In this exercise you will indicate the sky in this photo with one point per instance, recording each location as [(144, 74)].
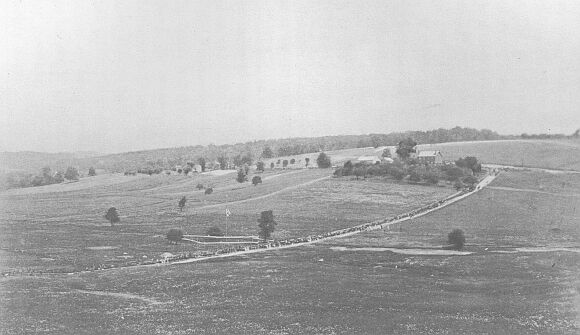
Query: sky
[(114, 76)]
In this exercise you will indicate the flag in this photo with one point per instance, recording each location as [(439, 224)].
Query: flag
[(228, 213)]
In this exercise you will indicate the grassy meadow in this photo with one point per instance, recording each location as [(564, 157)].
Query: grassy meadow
[(518, 273)]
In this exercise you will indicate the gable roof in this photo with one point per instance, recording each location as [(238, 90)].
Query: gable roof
[(429, 153)]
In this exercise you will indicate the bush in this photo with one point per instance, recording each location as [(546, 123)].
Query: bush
[(470, 180), (92, 172), (174, 235), (292, 161), (339, 172), (256, 180), (414, 177), (458, 185), (200, 186), (397, 173), (260, 166), (432, 178), (214, 231), (242, 176), (272, 165), (209, 190), (307, 161), (285, 163), (347, 168), (456, 238)]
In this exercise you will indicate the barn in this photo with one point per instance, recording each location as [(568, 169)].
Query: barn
[(430, 157)]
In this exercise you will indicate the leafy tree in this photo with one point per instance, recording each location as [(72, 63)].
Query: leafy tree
[(387, 153), (256, 180), (456, 239), (454, 173), (323, 161), (347, 168), (267, 152), (71, 173), (242, 176), (209, 190), (307, 161), (266, 224), (174, 235), (199, 186), (58, 177), (46, 178), (37, 181), (214, 231), (397, 173), (182, 203), (201, 161), (285, 163), (187, 170), (260, 166), (292, 161), (406, 147), (469, 162), (180, 170), (339, 172), (223, 161), (92, 172), (272, 165), (458, 185), (360, 171), (112, 216), (246, 168), (470, 180)]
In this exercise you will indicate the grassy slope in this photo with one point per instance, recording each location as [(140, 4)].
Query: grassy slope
[(564, 154)]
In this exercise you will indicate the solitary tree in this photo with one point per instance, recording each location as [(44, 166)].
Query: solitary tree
[(241, 177), (112, 216), (187, 170), (347, 168), (260, 166), (272, 165), (174, 235), (58, 177), (92, 171), (285, 163), (307, 161), (292, 161), (182, 203), (266, 224), (256, 180), (223, 161), (209, 190), (200, 186), (456, 239), (323, 161), (71, 173)]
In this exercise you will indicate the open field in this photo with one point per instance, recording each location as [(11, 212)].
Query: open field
[(61, 227), (553, 154), (518, 273), (357, 288)]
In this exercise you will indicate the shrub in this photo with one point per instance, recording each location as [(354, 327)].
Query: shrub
[(272, 165), (470, 180), (260, 166), (414, 177), (71, 173), (292, 161), (347, 168), (432, 178), (92, 171), (339, 172), (285, 163), (200, 186), (242, 176), (174, 235), (209, 190), (214, 231), (456, 238), (182, 203), (256, 180), (458, 185), (307, 160), (397, 173)]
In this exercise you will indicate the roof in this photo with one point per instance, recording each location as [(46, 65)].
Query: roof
[(368, 158), (428, 153)]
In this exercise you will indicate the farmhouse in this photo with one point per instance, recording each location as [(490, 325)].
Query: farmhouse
[(430, 157), (369, 159)]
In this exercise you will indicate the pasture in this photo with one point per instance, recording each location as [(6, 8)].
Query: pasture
[(513, 280), (549, 154), (518, 273)]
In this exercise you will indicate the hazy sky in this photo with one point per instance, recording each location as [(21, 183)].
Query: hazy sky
[(113, 76)]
